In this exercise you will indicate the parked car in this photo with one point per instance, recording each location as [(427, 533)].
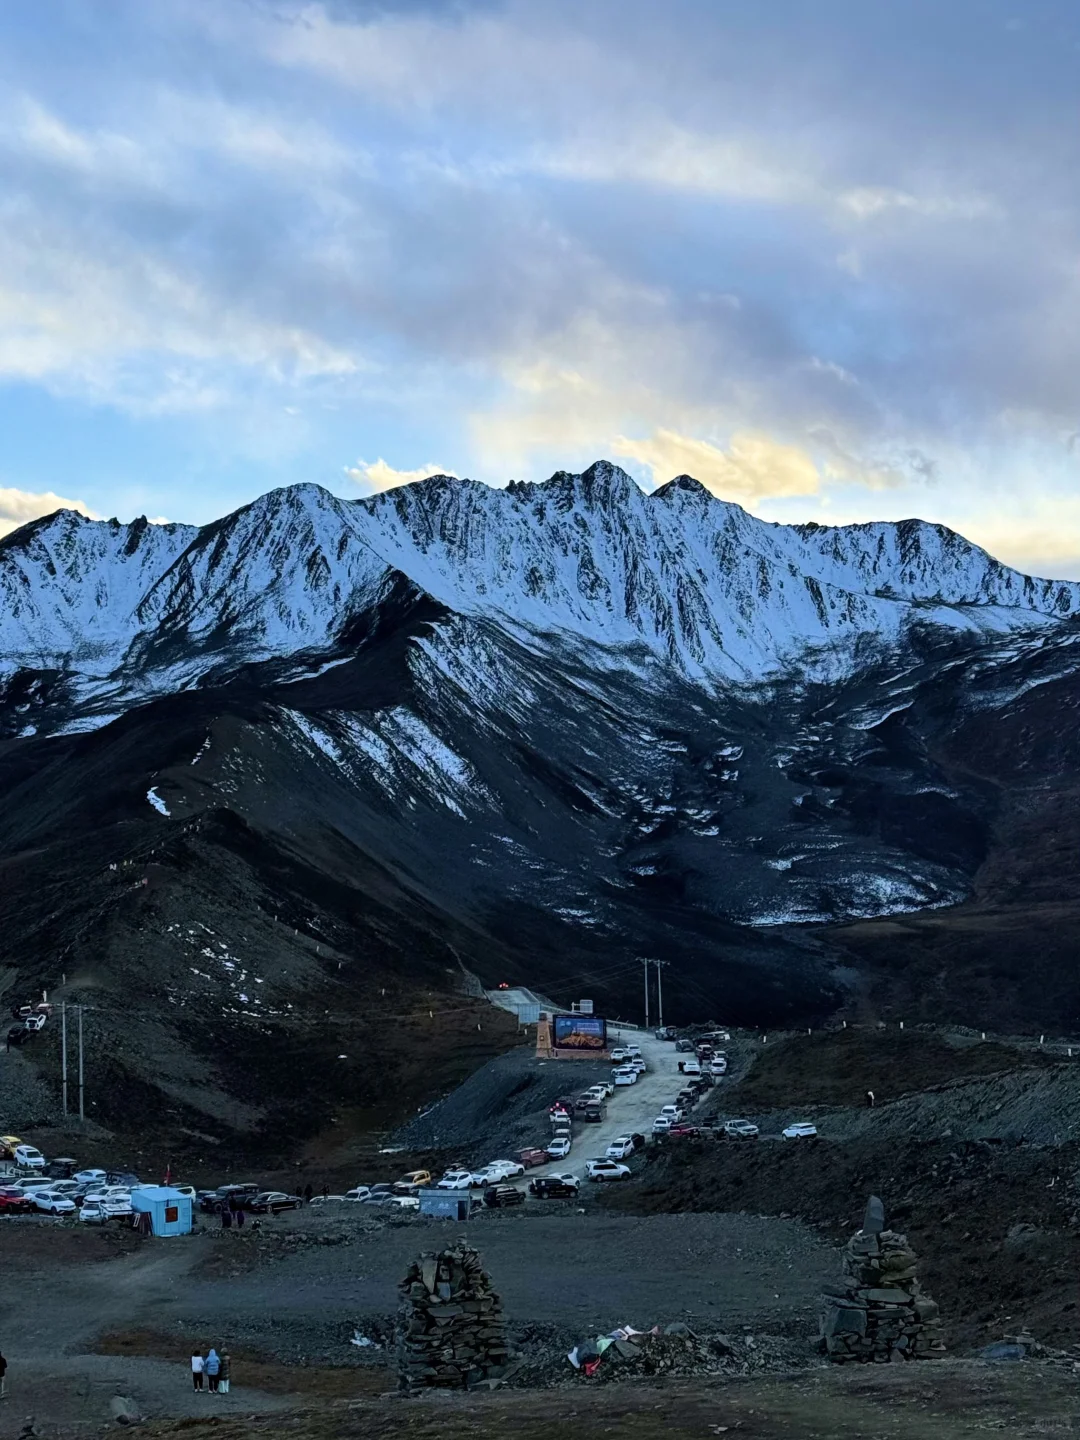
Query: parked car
[(559, 1148), (31, 1183), (662, 1124), (717, 1065), (93, 1212), (412, 1181), (508, 1169), (552, 1187), (7, 1146), (531, 1158), (132, 1181), (594, 1113), (689, 1067), (620, 1053), (684, 1047), (50, 1203), (639, 1141), (224, 1195), (273, 1202), (34, 1022), (799, 1131), (454, 1180), (15, 1202), (685, 1130), (624, 1076), (633, 1050), (61, 1168), (602, 1089), (665, 1032), (638, 1064), (740, 1130), (673, 1112), (620, 1148), (29, 1157), (358, 1193), (499, 1196), (606, 1170)]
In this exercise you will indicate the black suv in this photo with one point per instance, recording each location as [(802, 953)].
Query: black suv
[(496, 1196), (549, 1187)]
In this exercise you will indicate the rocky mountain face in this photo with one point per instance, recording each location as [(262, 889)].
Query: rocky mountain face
[(321, 757)]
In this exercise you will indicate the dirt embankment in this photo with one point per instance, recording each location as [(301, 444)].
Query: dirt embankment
[(838, 1067), (997, 1227)]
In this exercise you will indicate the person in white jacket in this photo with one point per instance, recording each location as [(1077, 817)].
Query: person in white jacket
[(196, 1370)]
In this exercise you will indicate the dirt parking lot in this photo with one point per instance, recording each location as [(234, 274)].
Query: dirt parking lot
[(292, 1297)]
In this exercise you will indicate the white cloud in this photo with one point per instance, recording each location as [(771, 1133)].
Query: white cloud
[(378, 475), (753, 467), (19, 506)]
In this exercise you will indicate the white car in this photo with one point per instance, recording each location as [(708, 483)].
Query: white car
[(34, 1022), (634, 1051), (637, 1064), (690, 1067), (740, 1130), (358, 1193), (606, 1170), (625, 1076), (662, 1124), (114, 1201), (404, 1202), (801, 1131), (620, 1148), (717, 1065), (559, 1147), (674, 1113), (29, 1186), (567, 1179), (50, 1203), (503, 1169), (601, 1090), (456, 1180), (90, 1177), (92, 1213), (620, 1054), (29, 1158)]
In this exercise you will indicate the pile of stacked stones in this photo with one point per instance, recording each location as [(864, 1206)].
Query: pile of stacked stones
[(450, 1329), (877, 1311)]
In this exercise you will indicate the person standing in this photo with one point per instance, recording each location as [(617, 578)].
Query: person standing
[(3, 1377), (196, 1370), (225, 1373), (308, 1192), (213, 1368), (240, 1218)]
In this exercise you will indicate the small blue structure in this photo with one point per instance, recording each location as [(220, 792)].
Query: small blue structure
[(446, 1204), (167, 1211)]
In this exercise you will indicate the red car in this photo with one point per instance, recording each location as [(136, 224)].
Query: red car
[(691, 1130), (15, 1202), (531, 1158)]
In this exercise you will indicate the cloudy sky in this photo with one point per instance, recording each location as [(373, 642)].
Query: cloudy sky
[(822, 254)]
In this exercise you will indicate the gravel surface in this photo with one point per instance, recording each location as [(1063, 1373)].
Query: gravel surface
[(25, 1099)]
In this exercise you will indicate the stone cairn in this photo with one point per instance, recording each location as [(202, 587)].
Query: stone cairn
[(877, 1311), (450, 1330)]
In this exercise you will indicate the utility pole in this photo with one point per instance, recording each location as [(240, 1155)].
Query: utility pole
[(646, 963), (82, 1103), (63, 1052), (660, 988)]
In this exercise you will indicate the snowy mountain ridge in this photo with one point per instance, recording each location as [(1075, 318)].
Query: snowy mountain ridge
[(694, 581)]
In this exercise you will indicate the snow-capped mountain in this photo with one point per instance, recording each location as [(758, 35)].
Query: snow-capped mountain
[(585, 559), (532, 733)]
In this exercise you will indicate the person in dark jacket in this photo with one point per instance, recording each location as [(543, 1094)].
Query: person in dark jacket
[(225, 1373), (3, 1377), (308, 1192)]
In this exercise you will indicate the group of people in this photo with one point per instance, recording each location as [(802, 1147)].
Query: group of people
[(215, 1367)]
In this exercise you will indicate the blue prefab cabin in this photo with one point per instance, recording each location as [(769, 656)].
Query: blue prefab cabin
[(166, 1209)]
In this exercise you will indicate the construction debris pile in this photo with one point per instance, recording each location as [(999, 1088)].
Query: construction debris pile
[(877, 1311), (450, 1328)]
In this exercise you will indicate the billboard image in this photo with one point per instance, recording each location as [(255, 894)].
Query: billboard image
[(579, 1032)]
